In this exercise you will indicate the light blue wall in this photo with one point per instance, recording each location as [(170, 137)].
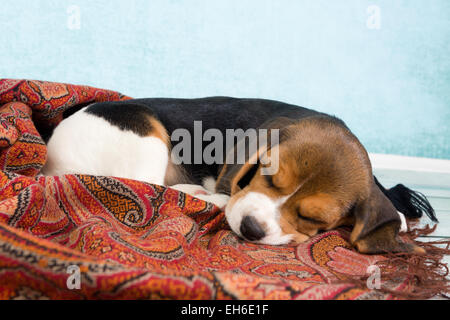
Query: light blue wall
[(391, 85)]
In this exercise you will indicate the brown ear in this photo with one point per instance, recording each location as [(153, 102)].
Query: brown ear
[(376, 226), (234, 177)]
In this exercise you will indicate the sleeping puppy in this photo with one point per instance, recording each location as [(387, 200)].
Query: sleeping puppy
[(314, 176)]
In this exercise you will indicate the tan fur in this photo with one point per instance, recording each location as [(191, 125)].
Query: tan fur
[(158, 130), (174, 174), (327, 173)]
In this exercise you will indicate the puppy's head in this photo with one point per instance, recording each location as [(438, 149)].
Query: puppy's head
[(323, 180)]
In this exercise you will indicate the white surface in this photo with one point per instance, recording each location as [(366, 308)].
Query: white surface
[(428, 176)]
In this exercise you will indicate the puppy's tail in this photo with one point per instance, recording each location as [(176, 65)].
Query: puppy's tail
[(412, 204)]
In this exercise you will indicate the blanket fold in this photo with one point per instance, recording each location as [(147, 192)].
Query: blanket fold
[(126, 239)]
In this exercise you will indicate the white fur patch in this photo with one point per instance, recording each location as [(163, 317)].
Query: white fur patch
[(404, 226), (87, 144), (209, 183), (197, 191), (265, 210)]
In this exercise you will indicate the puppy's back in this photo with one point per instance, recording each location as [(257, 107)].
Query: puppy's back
[(88, 142)]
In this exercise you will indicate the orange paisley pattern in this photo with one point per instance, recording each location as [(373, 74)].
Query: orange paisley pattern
[(133, 240)]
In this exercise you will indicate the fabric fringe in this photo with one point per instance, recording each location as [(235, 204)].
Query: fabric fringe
[(412, 204), (425, 275)]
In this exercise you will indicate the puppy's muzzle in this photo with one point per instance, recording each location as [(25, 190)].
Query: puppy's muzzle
[(250, 229)]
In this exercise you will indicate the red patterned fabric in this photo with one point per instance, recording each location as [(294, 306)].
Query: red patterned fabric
[(133, 240)]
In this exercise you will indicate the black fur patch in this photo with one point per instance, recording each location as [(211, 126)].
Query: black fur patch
[(126, 116), (245, 180), (411, 203)]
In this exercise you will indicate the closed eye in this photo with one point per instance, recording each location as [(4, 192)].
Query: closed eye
[(312, 220)]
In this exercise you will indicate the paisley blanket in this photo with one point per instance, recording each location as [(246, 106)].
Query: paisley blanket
[(92, 237)]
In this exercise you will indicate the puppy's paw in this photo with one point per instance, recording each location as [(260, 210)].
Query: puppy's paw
[(201, 193), (191, 189), (298, 238), (218, 199)]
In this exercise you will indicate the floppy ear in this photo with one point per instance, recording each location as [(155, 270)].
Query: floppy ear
[(234, 177), (376, 226)]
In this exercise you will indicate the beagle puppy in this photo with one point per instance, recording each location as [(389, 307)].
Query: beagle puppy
[(322, 178)]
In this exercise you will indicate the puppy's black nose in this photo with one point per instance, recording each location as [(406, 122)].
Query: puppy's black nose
[(250, 229)]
